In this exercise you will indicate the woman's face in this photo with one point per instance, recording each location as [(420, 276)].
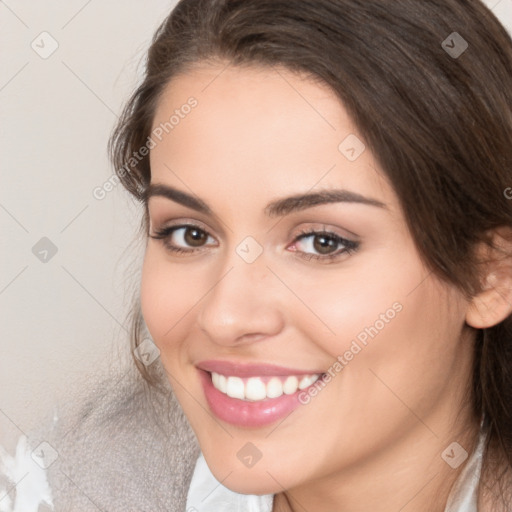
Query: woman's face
[(271, 288)]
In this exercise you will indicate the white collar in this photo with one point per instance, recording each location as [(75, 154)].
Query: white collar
[(463, 496), (206, 494)]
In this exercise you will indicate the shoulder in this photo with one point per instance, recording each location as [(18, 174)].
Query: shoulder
[(125, 446)]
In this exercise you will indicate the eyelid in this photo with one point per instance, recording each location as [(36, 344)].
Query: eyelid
[(166, 213), (322, 227), (170, 229), (182, 222), (349, 244)]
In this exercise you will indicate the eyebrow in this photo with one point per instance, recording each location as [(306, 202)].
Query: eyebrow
[(276, 208)]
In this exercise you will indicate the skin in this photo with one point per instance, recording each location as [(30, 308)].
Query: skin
[(372, 438)]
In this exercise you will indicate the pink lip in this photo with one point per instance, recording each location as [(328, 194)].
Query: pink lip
[(250, 370), (245, 413)]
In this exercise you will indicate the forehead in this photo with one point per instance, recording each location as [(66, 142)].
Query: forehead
[(255, 131)]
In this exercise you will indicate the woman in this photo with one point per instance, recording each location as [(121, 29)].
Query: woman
[(327, 278)]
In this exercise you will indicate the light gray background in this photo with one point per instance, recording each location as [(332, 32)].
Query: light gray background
[(64, 320)]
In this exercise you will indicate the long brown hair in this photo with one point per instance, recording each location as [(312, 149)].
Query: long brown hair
[(438, 122)]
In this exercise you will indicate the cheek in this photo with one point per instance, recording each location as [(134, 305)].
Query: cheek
[(389, 319), (168, 295), (400, 343), (357, 304)]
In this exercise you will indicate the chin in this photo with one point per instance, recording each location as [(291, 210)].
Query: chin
[(248, 482), (265, 477)]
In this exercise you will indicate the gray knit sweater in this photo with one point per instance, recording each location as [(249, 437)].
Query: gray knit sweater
[(125, 447)]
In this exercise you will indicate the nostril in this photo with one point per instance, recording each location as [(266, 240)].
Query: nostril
[(251, 337)]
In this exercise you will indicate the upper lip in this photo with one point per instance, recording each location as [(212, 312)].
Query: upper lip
[(238, 369)]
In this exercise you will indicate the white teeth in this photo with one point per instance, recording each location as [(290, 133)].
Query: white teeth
[(235, 387), (290, 385), (215, 379), (255, 389), (274, 388), (223, 384), (307, 380)]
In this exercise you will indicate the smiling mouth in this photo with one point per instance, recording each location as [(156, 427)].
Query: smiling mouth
[(256, 389), (253, 395)]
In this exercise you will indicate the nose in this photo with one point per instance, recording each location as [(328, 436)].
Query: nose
[(243, 305)]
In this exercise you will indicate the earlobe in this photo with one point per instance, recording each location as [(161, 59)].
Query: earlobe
[(491, 306), (493, 303)]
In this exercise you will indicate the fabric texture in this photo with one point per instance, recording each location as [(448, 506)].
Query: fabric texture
[(123, 448)]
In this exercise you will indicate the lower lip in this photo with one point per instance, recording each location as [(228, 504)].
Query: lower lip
[(244, 413)]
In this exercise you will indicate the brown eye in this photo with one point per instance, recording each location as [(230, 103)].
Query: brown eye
[(321, 245), (324, 244), (195, 237), (184, 238)]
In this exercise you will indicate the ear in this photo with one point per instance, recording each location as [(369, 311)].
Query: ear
[(493, 303)]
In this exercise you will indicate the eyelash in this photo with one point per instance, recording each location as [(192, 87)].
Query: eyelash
[(350, 246)]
